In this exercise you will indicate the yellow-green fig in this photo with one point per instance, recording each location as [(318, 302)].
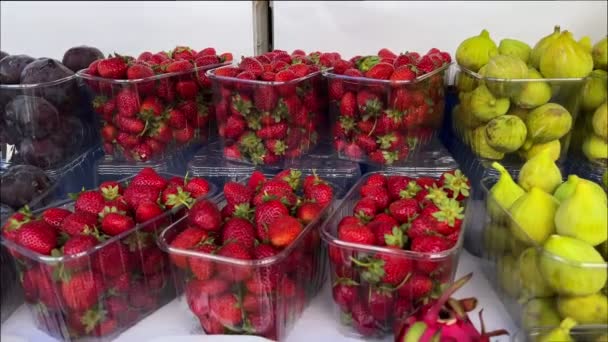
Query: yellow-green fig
[(532, 280), (572, 267), (480, 146), (502, 194), (521, 113), (496, 239), (594, 90), (560, 333), (599, 121), (565, 58), (465, 82), (553, 149), (600, 54), (567, 188), (548, 122), (474, 52), (508, 275), (533, 93), (586, 43), (540, 312), (541, 172), (485, 106), (532, 216), (595, 148), (504, 68), (590, 309), (540, 47), (584, 214), (506, 133), (515, 48)]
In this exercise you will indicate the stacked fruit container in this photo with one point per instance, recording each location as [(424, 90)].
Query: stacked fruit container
[(90, 267), (151, 106), (252, 266)]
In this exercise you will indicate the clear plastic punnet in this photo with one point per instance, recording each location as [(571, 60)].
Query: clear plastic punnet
[(146, 119), (268, 123), (100, 292), (538, 284), (512, 120), (384, 122), (595, 333), (270, 293), (374, 287)]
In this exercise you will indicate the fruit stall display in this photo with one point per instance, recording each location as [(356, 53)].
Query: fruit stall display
[(150, 106), (91, 266), (250, 261), (515, 101), (383, 106), (545, 247), (271, 108), (392, 242)]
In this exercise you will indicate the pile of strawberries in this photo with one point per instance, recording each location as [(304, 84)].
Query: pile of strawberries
[(141, 119), (260, 220), (396, 212), (264, 122), (383, 105), (98, 291)]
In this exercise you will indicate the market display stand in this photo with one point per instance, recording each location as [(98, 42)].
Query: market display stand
[(174, 322)]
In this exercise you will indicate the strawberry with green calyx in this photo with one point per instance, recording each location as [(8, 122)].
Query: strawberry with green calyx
[(344, 292), (366, 63), (15, 221), (436, 195), (384, 268), (291, 176), (241, 104), (175, 196), (456, 184), (410, 190), (449, 217), (110, 190)]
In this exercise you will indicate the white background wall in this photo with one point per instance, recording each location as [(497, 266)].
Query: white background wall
[(127, 27), (364, 27)]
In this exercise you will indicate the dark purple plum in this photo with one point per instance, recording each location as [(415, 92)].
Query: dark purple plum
[(63, 94), (21, 184), (44, 70), (44, 153), (3, 54), (79, 57), (32, 116), (8, 136), (12, 66)]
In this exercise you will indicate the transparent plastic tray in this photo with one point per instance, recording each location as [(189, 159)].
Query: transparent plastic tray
[(597, 333)]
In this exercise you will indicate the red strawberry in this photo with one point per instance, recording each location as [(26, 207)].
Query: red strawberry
[(235, 126), (147, 211), (252, 65), (136, 194), (386, 53), (197, 187), (189, 238), (79, 223), (283, 231), (363, 321), (426, 182), (418, 286), (383, 157), (76, 245), (404, 210), (130, 125), (430, 244), (353, 151), (138, 71), (386, 218), (321, 193), (352, 72), (308, 212), (114, 67), (420, 226), (265, 98), (55, 216), (110, 190), (115, 223), (385, 268), (366, 142), (275, 186), (239, 230), (368, 102), (143, 151), (37, 236), (387, 234), (265, 214), (109, 132), (376, 179), (381, 71), (377, 193), (203, 60), (335, 89), (426, 65), (186, 89), (456, 184), (395, 184), (174, 196), (182, 52), (401, 100), (380, 303), (357, 234), (183, 135), (149, 177), (344, 293), (403, 73), (151, 106), (235, 273), (205, 215), (127, 140), (82, 290), (237, 193), (178, 66), (113, 260), (227, 71), (127, 102), (257, 179), (348, 105), (365, 208), (201, 267), (276, 131), (226, 310), (90, 201)]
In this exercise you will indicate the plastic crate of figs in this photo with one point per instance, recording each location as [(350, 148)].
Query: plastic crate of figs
[(90, 267), (393, 241), (150, 105), (271, 108), (250, 260)]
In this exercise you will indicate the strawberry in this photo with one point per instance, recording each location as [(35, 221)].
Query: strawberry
[(366, 142), (235, 250), (381, 71), (234, 127), (256, 180), (387, 234), (79, 223), (383, 157), (197, 187), (386, 53), (174, 196), (404, 210), (114, 67), (368, 103), (420, 226), (275, 186), (130, 125), (385, 268), (321, 193), (283, 231), (363, 321), (90, 201), (426, 182), (205, 215), (308, 212), (237, 193), (401, 99), (143, 151), (203, 60), (265, 98), (344, 293), (127, 140), (178, 66), (228, 71), (109, 132), (252, 65), (353, 151), (182, 52), (425, 65), (386, 218), (201, 267), (187, 239), (113, 260), (186, 89), (115, 223), (365, 208), (380, 303), (82, 290), (449, 217), (110, 190), (127, 102), (395, 184), (37, 236), (265, 214), (403, 73), (276, 131), (376, 179), (226, 309), (138, 71), (136, 194), (176, 118), (76, 245), (416, 287), (456, 184), (348, 105), (357, 234), (54, 217), (335, 89), (377, 193), (184, 135), (429, 244), (239, 230)]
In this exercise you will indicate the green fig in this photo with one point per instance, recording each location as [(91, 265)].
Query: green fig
[(532, 216), (480, 146), (506, 133), (515, 48), (485, 106), (566, 189), (465, 82), (540, 171), (553, 149), (584, 215), (533, 93), (541, 46), (586, 43), (474, 52), (599, 121), (560, 333), (496, 239), (503, 194), (590, 309), (465, 116), (504, 68), (565, 58), (600, 54), (508, 275), (594, 90), (540, 312), (572, 267), (595, 148), (520, 112), (532, 281), (548, 122)]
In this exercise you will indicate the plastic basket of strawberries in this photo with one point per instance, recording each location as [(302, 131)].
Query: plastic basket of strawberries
[(90, 267), (383, 106), (393, 242), (271, 108), (150, 105), (252, 266)]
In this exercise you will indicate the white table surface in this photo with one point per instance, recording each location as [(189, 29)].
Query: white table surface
[(174, 323)]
